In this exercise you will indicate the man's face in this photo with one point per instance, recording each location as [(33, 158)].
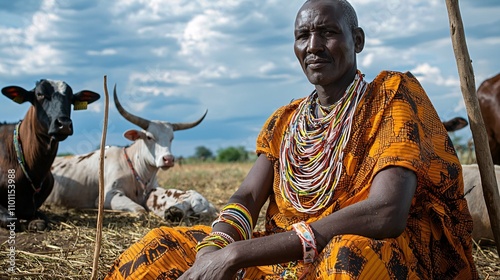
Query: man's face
[(324, 43)]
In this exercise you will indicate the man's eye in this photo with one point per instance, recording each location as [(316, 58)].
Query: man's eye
[(301, 36)]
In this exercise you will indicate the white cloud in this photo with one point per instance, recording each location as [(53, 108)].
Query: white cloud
[(367, 60), (147, 10), (134, 106), (160, 51), (38, 60), (162, 76), (267, 67), (399, 19), (28, 49), (102, 52), (200, 36), (214, 72), (10, 36), (225, 55), (431, 74)]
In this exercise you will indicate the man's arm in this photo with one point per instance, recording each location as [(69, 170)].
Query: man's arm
[(382, 215)]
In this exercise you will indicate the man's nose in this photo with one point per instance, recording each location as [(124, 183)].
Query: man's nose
[(315, 43)]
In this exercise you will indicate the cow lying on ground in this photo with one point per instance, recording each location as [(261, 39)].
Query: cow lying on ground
[(129, 172), (28, 148), (176, 205), (473, 190)]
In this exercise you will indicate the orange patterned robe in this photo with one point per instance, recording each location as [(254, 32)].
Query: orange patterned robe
[(395, 125)]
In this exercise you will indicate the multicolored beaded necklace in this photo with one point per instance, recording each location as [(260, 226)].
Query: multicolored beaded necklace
[(313, 149), (20, 158)]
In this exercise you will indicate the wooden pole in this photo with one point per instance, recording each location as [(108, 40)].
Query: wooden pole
[(98, 238), (468, 87)]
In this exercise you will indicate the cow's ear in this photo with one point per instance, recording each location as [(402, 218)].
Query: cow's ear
[(18, 94), (133, 134), (83, 98)]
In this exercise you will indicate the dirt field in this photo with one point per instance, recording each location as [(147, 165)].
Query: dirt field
[(66, 251)]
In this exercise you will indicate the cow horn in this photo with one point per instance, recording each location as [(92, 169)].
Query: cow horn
[(182, 126), (142, 123)]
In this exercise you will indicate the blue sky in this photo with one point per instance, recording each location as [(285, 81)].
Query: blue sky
[(173, 59)]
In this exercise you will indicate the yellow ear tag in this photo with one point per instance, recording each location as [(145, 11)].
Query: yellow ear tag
[(80, 105), (18, 99)]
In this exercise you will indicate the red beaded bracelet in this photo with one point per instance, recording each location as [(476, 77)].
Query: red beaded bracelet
[(306, 235)]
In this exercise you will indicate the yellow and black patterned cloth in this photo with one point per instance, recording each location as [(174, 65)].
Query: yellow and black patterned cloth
[(395, 125)]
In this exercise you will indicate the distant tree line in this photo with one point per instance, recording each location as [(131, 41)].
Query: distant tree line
[(229, 154), (202, 153)]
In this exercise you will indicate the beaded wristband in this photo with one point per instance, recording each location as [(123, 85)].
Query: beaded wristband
[(240, 219), (242, 209), (308, 241), (224, 235), (238, 216), (241, 232), (212, 240)]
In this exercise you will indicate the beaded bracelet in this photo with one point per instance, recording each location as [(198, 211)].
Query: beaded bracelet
[(212, 240), (240, 219), (239, 229), (217, 239), (306, 235), (242, 209), (224, 235), (238, 216)]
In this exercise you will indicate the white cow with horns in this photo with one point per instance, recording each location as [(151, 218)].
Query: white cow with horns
[(129, 174)]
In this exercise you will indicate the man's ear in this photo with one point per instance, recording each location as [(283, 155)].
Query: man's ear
[(359, 39)]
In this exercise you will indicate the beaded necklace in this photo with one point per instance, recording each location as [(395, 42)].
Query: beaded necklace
[(20, 158), (313, 148)]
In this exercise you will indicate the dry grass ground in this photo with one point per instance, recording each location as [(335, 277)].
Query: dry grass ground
[(66, 251)]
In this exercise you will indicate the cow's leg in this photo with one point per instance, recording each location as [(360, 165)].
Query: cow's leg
[(41, 221), (6, 219), (46, 189), (117, 200), (13, 223)]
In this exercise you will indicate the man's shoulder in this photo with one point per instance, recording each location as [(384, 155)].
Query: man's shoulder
[(291, 106), (394, 81), (389, 75)]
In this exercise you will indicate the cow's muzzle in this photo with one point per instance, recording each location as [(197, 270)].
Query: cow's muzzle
[(61, 128)]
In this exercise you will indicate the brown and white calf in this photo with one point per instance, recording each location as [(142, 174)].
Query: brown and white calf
[(28, 148), (176, 205), (129, 172)]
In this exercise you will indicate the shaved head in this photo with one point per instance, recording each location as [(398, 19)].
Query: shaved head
[(349, 12)]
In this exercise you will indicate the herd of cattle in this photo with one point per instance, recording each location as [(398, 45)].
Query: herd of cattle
[(32, 174)]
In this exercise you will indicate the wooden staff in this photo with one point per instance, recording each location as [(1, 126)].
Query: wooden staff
[(98, 237), (468, 87)]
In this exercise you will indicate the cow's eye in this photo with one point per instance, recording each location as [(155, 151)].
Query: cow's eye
[(41, 95)]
